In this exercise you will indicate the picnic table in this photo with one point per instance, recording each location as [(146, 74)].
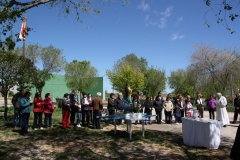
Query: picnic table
[(129, 117)]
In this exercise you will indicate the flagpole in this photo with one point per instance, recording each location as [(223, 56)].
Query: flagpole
[(24, 47), (24, 38)]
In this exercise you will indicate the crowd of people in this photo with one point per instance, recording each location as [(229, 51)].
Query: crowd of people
[(89, 110), (172, 108)]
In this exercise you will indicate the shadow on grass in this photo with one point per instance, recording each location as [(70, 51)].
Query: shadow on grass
[(85, 143)]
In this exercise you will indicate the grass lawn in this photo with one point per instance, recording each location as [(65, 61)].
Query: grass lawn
[(86, 143)]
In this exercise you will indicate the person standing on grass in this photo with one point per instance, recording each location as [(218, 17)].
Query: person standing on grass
[(181, 106), (177, 114), (97, 110), (138, 107), (148, 109), (89, 97), (110, 106), (38, 111), (85, 109), (211, 107), (66, 111), (189, 108), (222, 115), (168, 106), (48, 110), (74, 105), (26, 109), (17, 120), (158, 105), (200, 105), (237, 108)]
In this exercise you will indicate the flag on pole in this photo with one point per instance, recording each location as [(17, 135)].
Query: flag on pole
[(22, 34)]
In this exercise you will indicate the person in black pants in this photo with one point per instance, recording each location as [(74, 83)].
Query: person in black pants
[(237, 108), (85, 109), (74, 105), (119, 105), (168, 106), (181, 106), (148, 109), (110, 106), (158, 105)]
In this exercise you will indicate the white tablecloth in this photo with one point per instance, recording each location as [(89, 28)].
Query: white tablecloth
[(205, 133)]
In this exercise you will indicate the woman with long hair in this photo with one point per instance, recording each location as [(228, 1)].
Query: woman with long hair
[(38, 111)]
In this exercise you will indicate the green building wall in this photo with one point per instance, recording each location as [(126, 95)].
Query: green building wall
[(56, 86)]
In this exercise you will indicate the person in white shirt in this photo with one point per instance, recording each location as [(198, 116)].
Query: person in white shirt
[(222, 115), (200, 105)]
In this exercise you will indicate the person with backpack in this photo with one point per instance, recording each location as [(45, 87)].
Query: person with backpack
[(48, 110), (17, 120), (26, 109)]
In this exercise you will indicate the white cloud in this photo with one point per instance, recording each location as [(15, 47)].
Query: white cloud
[(144, 6), (180, 19), (167, 12), (176, 37), (162, 23)]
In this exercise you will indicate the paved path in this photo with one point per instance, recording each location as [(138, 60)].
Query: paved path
[(227, 136)]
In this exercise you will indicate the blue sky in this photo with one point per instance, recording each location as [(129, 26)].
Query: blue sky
[(163, 32)]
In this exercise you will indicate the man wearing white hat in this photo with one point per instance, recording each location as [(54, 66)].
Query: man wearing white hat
[(97, 110), (222, 115)]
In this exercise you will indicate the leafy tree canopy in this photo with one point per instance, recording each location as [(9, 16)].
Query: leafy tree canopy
[(80, 75)]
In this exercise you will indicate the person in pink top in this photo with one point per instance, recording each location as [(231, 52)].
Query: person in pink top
[(211, 107), (48, 110)]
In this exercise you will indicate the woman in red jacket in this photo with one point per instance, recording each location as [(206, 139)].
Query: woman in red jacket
[(38, 110), (48, 110)]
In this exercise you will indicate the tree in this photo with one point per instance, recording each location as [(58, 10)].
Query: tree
[(128, 65), (218, 66), (217, 69), (155, 80), (50, 60), (14, 70), (80, 75), (180, 82), (126, 74), (225, 10)]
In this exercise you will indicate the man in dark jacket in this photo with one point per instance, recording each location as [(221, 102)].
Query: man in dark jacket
[(17, 121), (119, 105), (74, 105), (111, 107), (237, 108), (158, 105), (97, 110)]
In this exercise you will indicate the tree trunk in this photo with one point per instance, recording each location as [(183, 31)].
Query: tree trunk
[(5, 105)]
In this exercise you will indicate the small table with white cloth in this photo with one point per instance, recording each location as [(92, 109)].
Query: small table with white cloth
[(201, 132)]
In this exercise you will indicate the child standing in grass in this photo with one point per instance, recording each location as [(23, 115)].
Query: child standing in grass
[(48, 110)]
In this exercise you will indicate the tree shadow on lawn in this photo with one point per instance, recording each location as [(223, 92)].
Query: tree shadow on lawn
[(85, 143)]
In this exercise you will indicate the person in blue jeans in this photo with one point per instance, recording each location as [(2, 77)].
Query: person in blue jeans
[(17, 121), (79, 117), (26, 109), (48, 110)]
